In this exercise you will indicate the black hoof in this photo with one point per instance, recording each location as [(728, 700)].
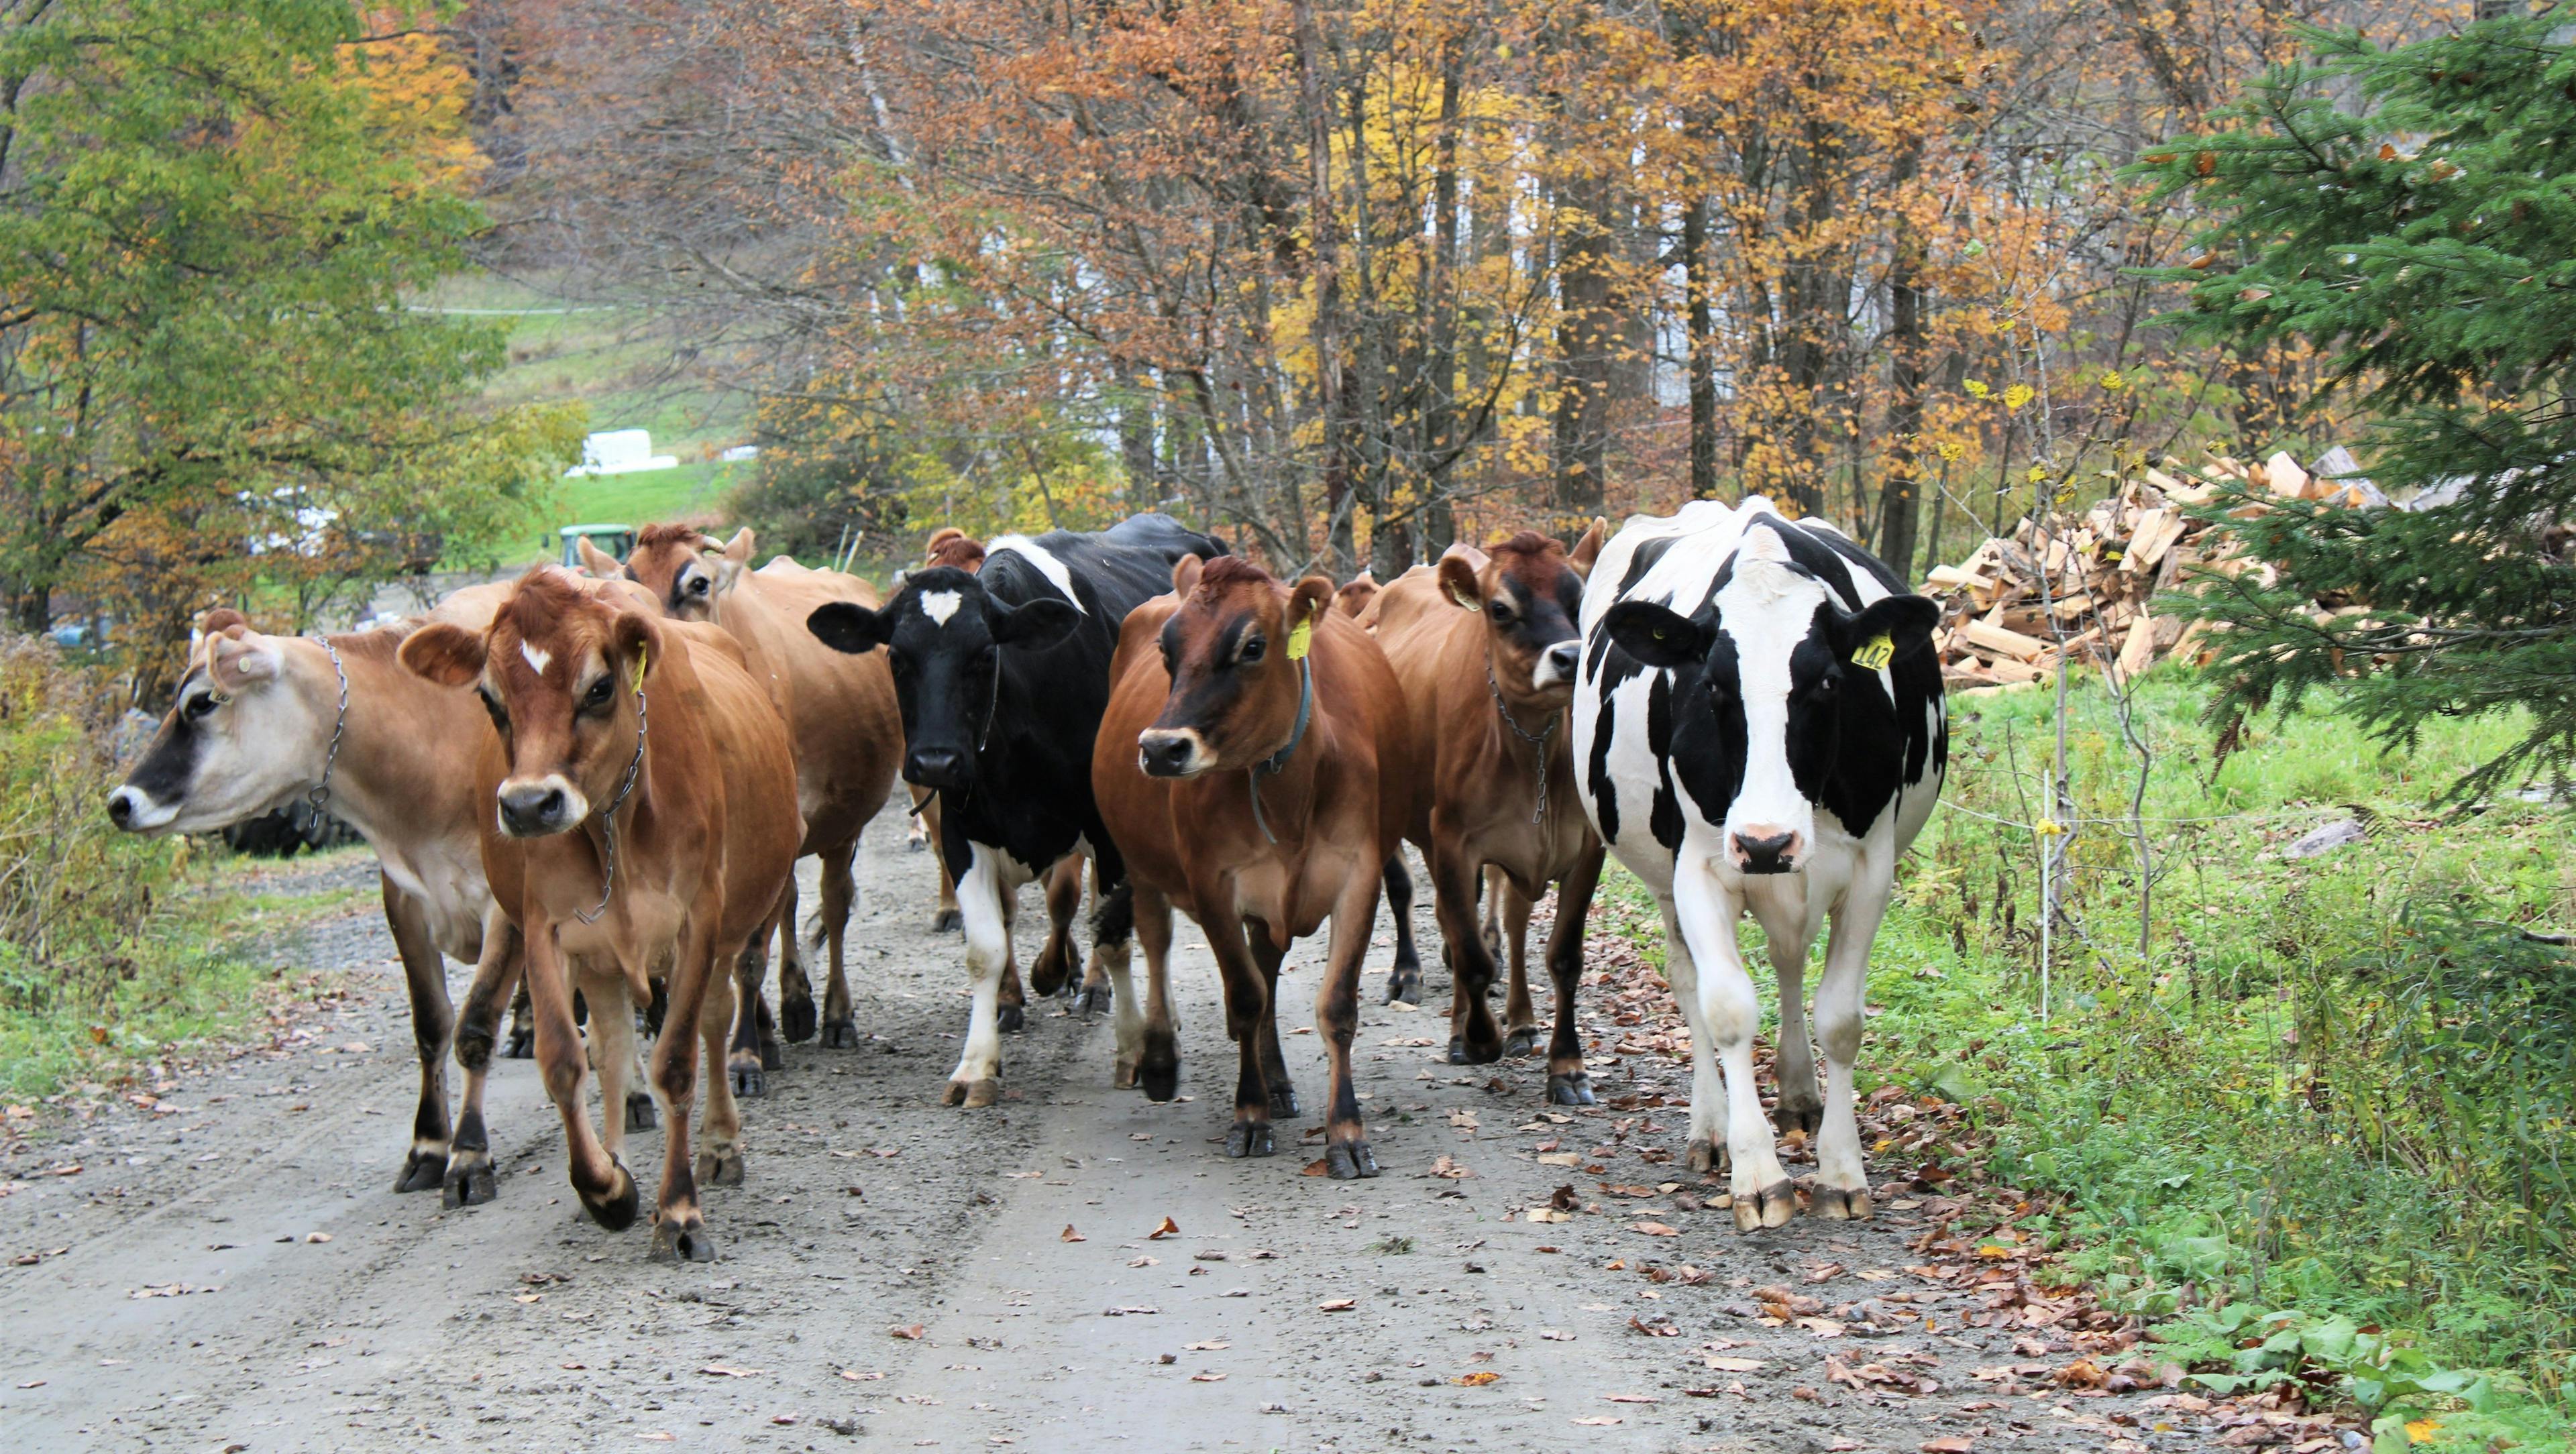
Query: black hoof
[(1805, 1117), (616, 1211), (749, 1082), (720, 1168), (1093, 999), (773, 1056), (469, 1181), (796, 1020), (1249, 1138), (1569, 1090), (1048, 975), (842, 1034), (640, 1115), (682, 1244), (1350, 1160), (1009, 1019), (1161, 1082), (947, 921), (1468, 1052), (522, 1044), (1405, 987), (422, 1171), (916, 845), (1520, 1044), (1283, 1102)]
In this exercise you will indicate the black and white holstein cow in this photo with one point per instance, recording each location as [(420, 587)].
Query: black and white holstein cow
[(1002, 675), (1758, 728)]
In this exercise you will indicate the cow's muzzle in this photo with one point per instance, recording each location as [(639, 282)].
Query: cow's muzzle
[(133, 810), (1173, 752), (545, 806), (1556, 665), (936, 768), (1760, 851)]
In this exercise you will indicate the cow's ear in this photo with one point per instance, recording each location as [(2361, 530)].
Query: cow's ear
[(1907, 622), (1185, 574), (224, 621), (1458, 581), (238, 661), (1307, 603), (636, 641), (1588, 549), (448, 655), (1656, 635), (849, 626), (597, 561), (1036, 624), (731, 558)]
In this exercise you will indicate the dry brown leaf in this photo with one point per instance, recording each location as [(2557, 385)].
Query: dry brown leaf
[(1718, 1364), (1337, 1305), (1070, 1235), (1477, 1379), (1656, 1229), (910, 1332), (721, 1371), (1169, 1228)]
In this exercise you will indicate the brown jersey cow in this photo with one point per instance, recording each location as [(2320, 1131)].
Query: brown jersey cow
[(642, 807), (1248, 770), (1485, 646), (841, 718)]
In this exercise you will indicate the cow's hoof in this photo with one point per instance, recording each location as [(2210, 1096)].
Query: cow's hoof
[(1570, 1088), (1009, 1020), (423, 1170), (750, 1080), (1520, 1044), (1049, 973), (1770, 1207), (1122, 1075), (615, 1211), (1702, 1155), (916, 845), (1094, 999), (1806, 1114), (1283, 1102), (469, 1181), (1350, 1160), (974, 1094), (947, 921), (773, 1056), (1467, 1051), (1249, 1138), (640, 1115), (720, 1167), (1405, 987), (522, 1044), (1834, 1204), (675, 1243), (841, 1034), (1160, 1079), (796, 1019)]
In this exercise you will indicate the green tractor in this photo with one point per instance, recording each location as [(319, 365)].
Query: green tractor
[(617, 540)]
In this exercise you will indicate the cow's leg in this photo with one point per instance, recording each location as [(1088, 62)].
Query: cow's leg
[(1158, 1068), (1473, 1037), (1267, 953), (748, 1061), (1520, 1018), (1841, 1186), (1707, 1149), (946, 914), (497, 978), (1011, 1015), (433, 1020), (796, 1017), (1786, 932), (697, 1001), (1096, 992), (1113, 936), (719, 1160), (1732, 1012), (523, 1027), (612, 1050), (840, 895), (1491, 913), (1404, 981), (1245, 1010), (607, 1192), (1337, 1019), (977, 1080), (1567, 1082), (1052, 970)]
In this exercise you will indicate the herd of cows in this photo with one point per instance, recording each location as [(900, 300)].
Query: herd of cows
[(595, 788)]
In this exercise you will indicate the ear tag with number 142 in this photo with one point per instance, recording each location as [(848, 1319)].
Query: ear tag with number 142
[(1875, 653)]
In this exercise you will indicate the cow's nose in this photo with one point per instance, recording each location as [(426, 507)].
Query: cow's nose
[(934, 767), (120, 807), (1562, 659), (532, 809), (1165, 753), (1760, 853)]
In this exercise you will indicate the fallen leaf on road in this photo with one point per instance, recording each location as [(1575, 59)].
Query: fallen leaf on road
[(1822, 1327), (855, 1376), (1447, 1167), (1317, 1167), (1946, 1446), (1070, 1235), (784, 1418), (526, 1297), (1169, 1228), (1207, 1378), (1556, 1335), (1212, 1345), (1656, 1229), (1337, 1305), (1024, 1175), (658, 1437), (1543, 1214), (1633, 1398), (910, 1332), (1597, 1421), (1717, 1364), (317, 1236), (1662, 1327), (1477, 1379), (1561, 1158), (68, 1168), (172, 1289), (1145, 1261), (720, 1371)]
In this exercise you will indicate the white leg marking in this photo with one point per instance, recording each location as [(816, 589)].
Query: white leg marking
[(1732, 1012), (980, 896)]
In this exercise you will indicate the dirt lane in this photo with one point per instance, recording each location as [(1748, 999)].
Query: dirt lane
[(869, 1208)]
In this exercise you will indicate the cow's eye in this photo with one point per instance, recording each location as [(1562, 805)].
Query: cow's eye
[(1251, 651), (201, 705), (597, 696), (1502, 613), (492, 705), (697, 585)]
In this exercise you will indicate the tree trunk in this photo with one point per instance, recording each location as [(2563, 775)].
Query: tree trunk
[(1900, 495), (1586, 328), (1440, 408), (1324, 219), (1703, 350)]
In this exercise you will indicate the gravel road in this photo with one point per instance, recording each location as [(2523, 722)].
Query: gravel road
[(229, 1270)]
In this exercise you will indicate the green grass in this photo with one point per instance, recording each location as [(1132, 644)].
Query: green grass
[(2323, 1112)]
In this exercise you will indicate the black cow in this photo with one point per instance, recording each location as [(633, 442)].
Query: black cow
[(1002, 676)]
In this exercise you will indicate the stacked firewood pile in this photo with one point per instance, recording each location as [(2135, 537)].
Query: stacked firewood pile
[(2082, 587)]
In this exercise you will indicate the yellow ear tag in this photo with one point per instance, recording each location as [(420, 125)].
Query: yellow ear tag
[(1300, 638), (1875, 653), (639, 671)]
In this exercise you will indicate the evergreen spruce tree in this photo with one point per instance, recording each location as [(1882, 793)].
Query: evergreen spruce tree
[(2410, 214)]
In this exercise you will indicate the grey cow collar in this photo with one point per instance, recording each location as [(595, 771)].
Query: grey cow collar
[(1272, 765)]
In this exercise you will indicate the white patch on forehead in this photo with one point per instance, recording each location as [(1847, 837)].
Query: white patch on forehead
[(1039, 556), (537, 660), (940, 605)]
